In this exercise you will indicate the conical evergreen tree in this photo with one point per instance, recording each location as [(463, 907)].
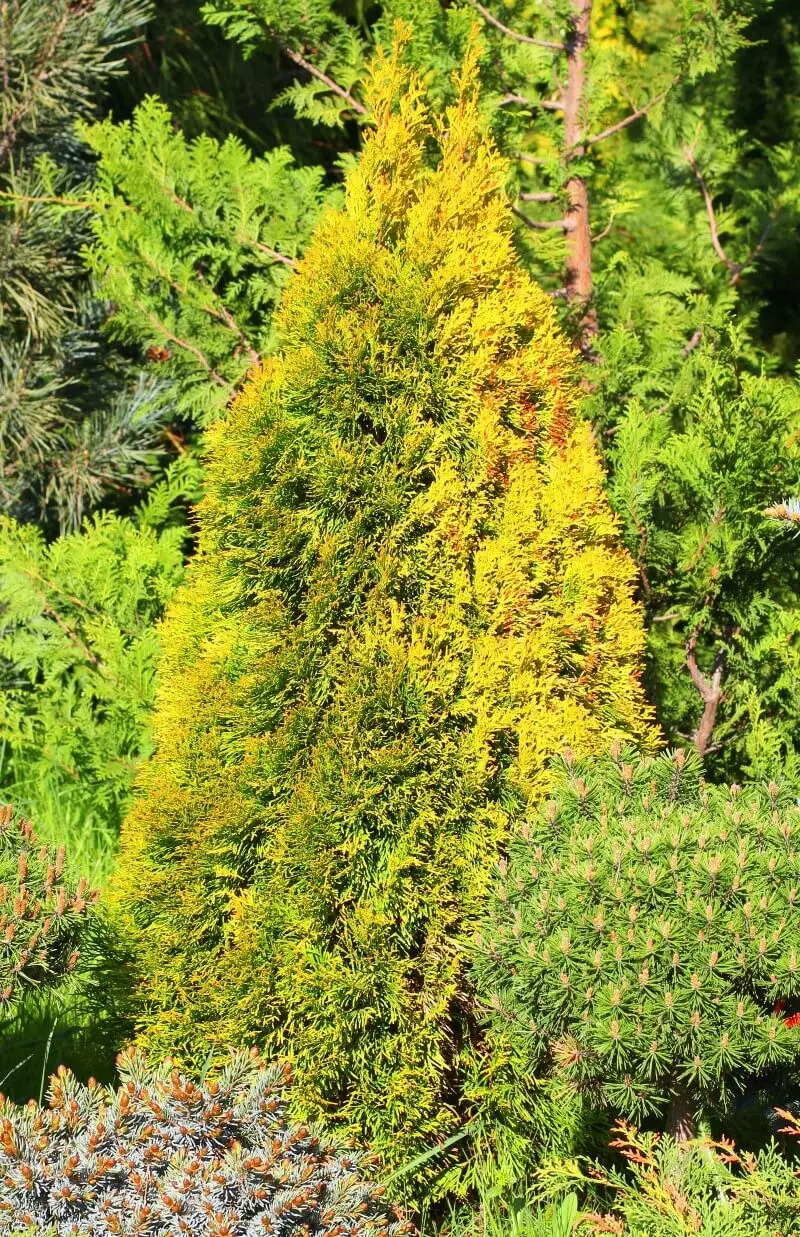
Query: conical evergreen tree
[(409, 593)]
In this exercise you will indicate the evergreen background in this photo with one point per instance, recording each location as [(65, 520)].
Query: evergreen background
[(162, 170)]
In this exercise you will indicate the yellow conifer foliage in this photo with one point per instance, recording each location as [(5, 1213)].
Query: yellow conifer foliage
[(409, 593)]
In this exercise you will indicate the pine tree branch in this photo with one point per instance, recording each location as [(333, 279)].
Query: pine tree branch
[(302, 63), (628, 120), (39, 78), (514, 34)]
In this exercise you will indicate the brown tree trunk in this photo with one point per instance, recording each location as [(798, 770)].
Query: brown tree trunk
[(578, 234), (680, 1118)]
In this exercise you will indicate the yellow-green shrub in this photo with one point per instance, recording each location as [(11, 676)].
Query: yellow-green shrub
[(409, 593)]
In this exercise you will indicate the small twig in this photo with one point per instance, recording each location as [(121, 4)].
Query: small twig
[(542, 225), (526, 158), (756, 250), (218, 310), (262, 248), (546, 105), (692, 343), (514, 34), (602, 235), (628, 120), (183, 343), (45, 200), (538, 197), (712, 218), (302, 63)]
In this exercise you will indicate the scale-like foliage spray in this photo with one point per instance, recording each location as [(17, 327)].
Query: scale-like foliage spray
[(409, 593)]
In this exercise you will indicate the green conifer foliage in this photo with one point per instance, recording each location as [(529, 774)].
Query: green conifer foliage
[(669, 1189), (78, 422), (193, 242), (408, 593), (691, 475), (643, 940), (78, 646), (41, 915)]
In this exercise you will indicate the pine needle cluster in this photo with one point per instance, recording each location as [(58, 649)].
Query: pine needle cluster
[(41, 915), (643, 940), (162, 1154), (79, 422)]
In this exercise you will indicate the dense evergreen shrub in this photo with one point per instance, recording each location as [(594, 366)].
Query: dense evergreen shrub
[(644, 940), (408, 594), (163, 1154)]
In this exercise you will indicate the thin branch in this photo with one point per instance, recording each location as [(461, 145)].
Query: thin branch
[(736, 268), (538, 197), (183, 343), (692, 343), (301, 61), (712, 218), (218, 311), (43, 200), (272, 253), (756, 250), (602, 235), (542, 225), (223, 314), (514, 34), (628, 120), (86, 204), (546, 105)]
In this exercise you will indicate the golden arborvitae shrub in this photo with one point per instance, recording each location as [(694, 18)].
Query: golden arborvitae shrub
[(409, 593)]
